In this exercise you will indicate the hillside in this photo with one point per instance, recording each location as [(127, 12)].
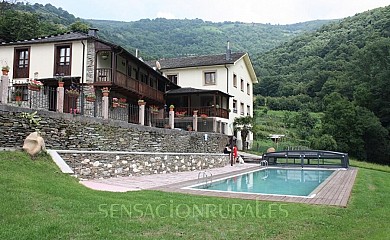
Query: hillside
[(343, 69), (161, 37)]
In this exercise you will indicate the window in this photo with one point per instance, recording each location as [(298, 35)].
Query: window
[(22, 57), (235, 106), (248, 110), (172, 78), (209, 78), (242, 108), (242, 84), (63, 60), (64, 54), (248, 89), (234, 80)]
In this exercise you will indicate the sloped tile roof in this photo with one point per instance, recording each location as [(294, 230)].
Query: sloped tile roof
[(69, 36), (197, 61)]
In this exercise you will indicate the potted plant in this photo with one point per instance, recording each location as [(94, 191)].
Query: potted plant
[(34, 85), (154, 109), (5, 70), (18, 95), (203, 116), (90, 97), (180, 114), (72, 92), (122, 102), (115, 102), (105, 91)]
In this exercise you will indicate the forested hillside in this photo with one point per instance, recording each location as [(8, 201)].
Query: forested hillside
[(160, 37), (343, 69)]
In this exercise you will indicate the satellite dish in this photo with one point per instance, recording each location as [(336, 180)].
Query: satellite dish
[(158, 65)]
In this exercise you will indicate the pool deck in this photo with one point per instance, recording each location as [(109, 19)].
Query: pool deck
[(335, 191)]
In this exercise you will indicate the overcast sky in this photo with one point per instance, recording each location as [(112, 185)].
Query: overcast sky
[(258, 11)]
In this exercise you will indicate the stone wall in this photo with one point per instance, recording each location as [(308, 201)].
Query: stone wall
[(87, 165), (65, 131)]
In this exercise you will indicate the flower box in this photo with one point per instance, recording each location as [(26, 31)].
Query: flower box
[(90, 98), (72, 93), (33, 88)]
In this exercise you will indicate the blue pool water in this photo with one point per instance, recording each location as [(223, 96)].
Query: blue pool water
[(296, 182)]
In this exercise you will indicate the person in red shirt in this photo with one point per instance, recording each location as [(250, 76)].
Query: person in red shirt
[(235, 153)]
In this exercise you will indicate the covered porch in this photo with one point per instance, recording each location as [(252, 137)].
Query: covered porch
[(208, 103)]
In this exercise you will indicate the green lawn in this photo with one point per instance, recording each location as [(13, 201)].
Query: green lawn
[(39, 202)]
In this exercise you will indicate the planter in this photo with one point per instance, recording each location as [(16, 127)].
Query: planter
[(5, 72), (115, 104), (105, 94), (90, 99), (34, 88), (60, 84), (18, 98)]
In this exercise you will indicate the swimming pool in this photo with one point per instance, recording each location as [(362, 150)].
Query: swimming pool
[(275, 181)]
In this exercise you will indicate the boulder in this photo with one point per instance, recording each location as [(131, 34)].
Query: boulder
[(34, 144), (271, 149)]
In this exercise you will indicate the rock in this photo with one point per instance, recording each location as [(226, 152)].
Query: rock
[(34, 144), (96, 164), (271, 149)]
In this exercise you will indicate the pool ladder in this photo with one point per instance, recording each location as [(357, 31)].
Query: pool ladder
[(264, 163), (207, 177)]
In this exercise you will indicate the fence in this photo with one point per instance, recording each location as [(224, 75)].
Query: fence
[(45, 98)]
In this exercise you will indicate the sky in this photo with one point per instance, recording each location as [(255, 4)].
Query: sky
[(257, 11)]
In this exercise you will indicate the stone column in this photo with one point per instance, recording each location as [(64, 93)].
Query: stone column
[(195, 121), (141, 112), (214, 124), (60, 97), (105, 103), (4, 89), (171, 118)]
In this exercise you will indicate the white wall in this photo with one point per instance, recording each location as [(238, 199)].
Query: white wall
[(42, 59), (194, 77)]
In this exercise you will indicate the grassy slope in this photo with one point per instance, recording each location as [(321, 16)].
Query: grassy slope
[(39, 202)]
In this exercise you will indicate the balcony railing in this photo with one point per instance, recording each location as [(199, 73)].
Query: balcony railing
[(121, 80), (209, 111)]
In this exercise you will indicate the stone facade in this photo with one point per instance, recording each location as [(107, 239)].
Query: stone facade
[(87, 165), (66, 131)]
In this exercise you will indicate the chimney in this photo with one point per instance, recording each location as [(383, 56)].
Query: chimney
[(228, 51), (93, 32)]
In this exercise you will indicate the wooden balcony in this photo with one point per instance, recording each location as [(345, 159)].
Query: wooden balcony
[(104, 77)]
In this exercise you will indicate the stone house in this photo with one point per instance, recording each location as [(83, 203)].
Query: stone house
[(84, 63)]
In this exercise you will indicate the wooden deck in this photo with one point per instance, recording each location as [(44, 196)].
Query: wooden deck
[(335, 191)]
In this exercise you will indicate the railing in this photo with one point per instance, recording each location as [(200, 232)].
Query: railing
[(104, 75), (40, 98), (207, 110), (45, 98)]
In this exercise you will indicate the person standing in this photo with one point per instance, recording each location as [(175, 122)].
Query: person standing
[(235, 153)]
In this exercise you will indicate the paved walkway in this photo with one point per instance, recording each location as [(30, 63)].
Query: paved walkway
[(134, 183)]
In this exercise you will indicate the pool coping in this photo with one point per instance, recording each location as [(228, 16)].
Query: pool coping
[(335, 191)]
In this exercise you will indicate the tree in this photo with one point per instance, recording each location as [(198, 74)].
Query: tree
[(244, 125)]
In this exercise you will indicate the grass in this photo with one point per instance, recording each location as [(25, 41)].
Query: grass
[(40, 202)]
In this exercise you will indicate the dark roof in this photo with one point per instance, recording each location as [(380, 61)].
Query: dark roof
[(190, 90), (197, 61), (69, 36)]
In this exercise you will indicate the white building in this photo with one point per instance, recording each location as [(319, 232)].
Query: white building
[(230, 73)]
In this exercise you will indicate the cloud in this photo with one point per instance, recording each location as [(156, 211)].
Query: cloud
[(166, 15)]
